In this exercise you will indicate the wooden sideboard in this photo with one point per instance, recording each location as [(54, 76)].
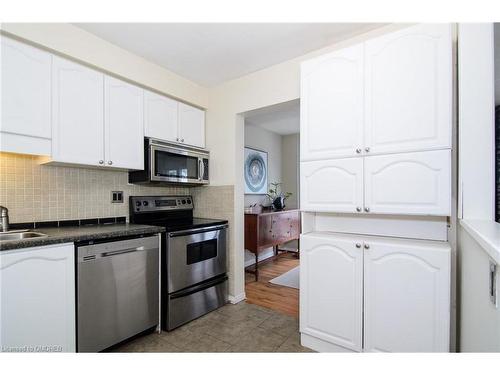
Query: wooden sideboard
[(266, 228)]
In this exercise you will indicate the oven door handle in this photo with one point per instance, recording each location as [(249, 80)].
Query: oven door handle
[(196, 231), (197, 288)]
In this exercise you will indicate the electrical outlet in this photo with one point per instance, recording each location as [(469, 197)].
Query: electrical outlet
[(117, 197)]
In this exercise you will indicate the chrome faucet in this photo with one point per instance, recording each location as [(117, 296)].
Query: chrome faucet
[(4, 219)]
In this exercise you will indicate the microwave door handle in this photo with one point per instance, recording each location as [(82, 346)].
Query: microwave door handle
[(201, 169)]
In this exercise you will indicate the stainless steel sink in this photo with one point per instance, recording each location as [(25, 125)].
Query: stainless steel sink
[(20, 236)]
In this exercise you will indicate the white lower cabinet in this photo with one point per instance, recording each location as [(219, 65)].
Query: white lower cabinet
[(406, 296), (395, 293), (332, 185), (38, 299), (331, 290)]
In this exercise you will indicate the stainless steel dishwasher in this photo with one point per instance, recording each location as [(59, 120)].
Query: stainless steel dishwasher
[(117, 291)]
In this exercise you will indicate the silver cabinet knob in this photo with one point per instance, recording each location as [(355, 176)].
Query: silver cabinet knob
[(367, 209), (101, 161), (182, 140), (110, 162), (358, 209), (358, 245), (177, 139), (358, 151), (367, 149), (367, 246)]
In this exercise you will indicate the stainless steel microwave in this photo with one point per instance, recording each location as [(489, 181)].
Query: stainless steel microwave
[(170, 163)]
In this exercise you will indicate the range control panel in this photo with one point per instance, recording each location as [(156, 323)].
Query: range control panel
[(161, 203)]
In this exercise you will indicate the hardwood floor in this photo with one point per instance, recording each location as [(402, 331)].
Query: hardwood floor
[(274, 297)]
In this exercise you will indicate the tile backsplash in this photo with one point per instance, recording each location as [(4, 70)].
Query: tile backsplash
[(36, 192)]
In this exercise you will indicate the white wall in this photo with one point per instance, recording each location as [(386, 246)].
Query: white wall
[(290, 168), (480, 319), (264, 140), (476, 170)]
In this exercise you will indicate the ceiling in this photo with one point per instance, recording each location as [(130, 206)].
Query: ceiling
[(211, 53), (282, 118)]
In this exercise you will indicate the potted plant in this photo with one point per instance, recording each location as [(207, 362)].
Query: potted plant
[(277, 196)]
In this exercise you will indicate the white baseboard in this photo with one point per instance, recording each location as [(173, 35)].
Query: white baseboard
[(262, 256), (321, 346), (235, 299)]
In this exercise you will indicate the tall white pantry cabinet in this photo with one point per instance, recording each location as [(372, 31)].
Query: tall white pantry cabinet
[(376, 139)]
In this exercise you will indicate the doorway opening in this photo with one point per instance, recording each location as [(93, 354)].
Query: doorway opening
[(272, 216)]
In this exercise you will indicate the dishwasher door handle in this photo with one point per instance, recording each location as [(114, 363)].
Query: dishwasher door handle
[(122, 251)]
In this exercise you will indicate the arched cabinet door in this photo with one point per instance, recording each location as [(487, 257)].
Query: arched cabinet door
[(416, 183), (38, 298), (331, 289), (409, 90), (332, 185), (406, 296), (332, 105)]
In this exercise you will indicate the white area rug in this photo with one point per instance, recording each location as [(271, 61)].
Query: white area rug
[(289, 279)]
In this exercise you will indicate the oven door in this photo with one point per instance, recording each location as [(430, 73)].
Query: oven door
[(195, 255), (171, 164)]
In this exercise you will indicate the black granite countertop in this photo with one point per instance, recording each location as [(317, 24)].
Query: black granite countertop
[(80, 233)]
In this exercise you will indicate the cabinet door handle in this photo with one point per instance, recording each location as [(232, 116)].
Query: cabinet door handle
[(367, 246), (358, 245), (367, 209), (367, 149), (358, 209), (110, 162), (182, 140), (177, 139), (358, 151), (101, 161)]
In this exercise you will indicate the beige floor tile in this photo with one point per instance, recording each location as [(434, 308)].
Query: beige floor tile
[(283, 325), (242, 327), (258, 340), (151, 343), (292, 345)]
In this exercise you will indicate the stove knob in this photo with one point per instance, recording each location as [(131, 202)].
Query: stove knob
[(138, 203), (145, 203), (189, 201), (183, 201)]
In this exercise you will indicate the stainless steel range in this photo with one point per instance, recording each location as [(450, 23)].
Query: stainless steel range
[(193, 265)]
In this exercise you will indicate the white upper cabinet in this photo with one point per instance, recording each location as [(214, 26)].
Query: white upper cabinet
[(25, 98), (409, 183), (407, 296), (191, 125), (331, 289), (123, 124), (169, 120), (408, 90), (332, 105), (160, 117), (78, 113), (332, 185), (38, 298)]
